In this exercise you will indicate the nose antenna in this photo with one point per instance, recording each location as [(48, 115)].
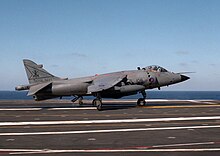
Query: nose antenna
[(185, 72), (184, 77)]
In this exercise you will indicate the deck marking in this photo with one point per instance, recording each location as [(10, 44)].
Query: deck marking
[(38, 109), (191, 106), (108, 130), (94, 108), (76, 108), (112, 151), (20, 109), (107, 121), (186, 144), (131, 149)]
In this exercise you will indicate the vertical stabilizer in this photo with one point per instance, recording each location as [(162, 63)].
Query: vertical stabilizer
[(36, 73)]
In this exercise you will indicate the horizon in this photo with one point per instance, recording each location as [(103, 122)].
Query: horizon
[(149, 90)]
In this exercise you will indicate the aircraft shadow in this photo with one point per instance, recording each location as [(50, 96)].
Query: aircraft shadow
[(117, 107), (105, 107)]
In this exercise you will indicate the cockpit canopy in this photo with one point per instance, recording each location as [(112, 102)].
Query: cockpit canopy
[(155, 68)]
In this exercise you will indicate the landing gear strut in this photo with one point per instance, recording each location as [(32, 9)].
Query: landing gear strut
[(80, 98), (97, 102), (141, 101)]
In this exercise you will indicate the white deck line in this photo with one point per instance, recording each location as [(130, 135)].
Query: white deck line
[(116, 151), (108, 130), (107, 121)]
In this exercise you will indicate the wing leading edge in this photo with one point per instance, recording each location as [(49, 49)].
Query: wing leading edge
[(105, 82)]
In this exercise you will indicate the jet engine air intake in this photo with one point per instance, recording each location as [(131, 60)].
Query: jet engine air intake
[(129, 88)]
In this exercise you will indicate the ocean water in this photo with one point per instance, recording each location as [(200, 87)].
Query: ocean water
[(182, 95)]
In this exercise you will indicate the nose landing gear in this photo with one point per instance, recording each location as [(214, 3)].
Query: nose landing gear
[(141, 101)]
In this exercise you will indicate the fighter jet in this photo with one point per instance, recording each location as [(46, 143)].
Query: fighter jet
[(43, 85)]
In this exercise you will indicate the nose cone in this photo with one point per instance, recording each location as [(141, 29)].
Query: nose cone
[(184, 78)]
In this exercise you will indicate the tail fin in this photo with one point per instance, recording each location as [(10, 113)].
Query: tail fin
[(36, 73)]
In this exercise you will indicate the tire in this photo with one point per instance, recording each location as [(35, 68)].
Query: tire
[(99, 107), (94, 102), (141, 102), (98, 104)]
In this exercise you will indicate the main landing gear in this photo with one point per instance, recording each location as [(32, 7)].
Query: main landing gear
[(141, 101), (97, 102)]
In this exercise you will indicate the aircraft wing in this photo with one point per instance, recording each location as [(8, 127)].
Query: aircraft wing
[(105, 82), (36, 88)]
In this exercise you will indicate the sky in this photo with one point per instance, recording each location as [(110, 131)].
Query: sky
[(74, 38)]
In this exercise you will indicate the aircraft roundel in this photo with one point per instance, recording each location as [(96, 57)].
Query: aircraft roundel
[(151, 79)]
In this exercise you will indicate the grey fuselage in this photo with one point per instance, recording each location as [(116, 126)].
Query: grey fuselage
[(136, 81)]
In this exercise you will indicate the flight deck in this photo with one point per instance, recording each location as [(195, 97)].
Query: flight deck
[(59, 127)]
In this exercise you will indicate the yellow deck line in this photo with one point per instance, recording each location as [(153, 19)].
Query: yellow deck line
[(194, 106)]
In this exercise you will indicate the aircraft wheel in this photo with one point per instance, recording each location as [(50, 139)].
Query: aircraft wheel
[(81, 101), (94, 102), (98, 104), (141, 102)]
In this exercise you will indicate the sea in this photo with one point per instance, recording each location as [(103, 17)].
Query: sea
[(181, 95)]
